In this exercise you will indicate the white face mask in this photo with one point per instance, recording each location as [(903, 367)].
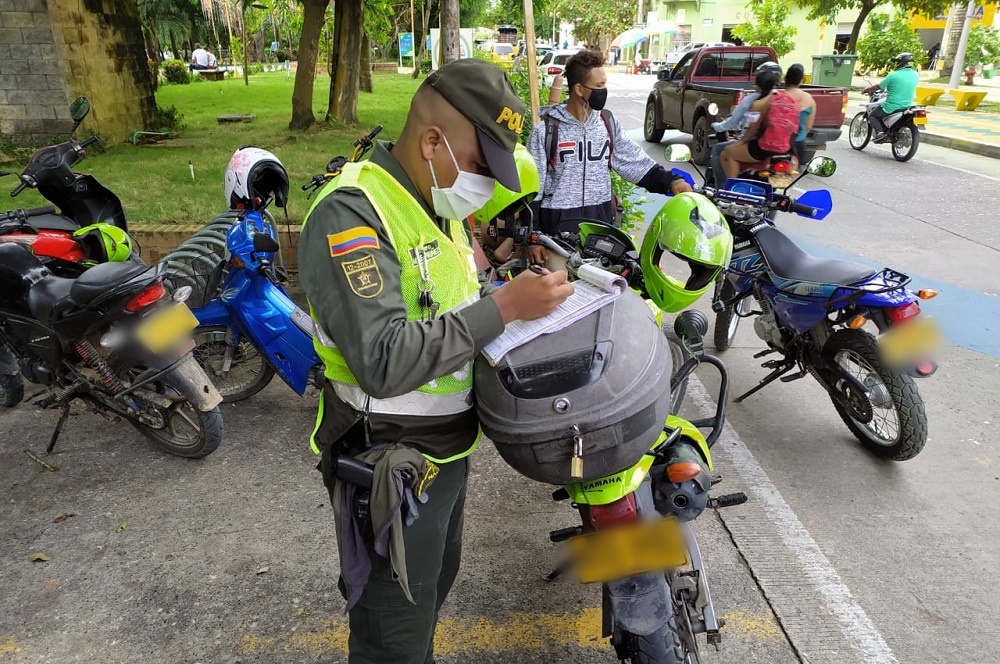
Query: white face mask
[(467, 195)]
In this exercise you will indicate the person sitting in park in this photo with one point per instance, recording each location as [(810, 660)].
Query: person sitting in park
[(212, 60), (199, 59)]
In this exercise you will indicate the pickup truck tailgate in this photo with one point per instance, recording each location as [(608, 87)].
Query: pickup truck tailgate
[(831, 105)]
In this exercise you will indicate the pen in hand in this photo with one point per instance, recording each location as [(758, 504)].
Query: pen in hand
[(538, 269)]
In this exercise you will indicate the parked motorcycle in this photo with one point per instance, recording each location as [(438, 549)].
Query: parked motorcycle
[(812, 313), (111, 339), (635, 537), (82, 202), (248, 326), (903, 127)]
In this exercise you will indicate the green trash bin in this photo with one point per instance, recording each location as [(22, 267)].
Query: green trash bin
[(834, 70)]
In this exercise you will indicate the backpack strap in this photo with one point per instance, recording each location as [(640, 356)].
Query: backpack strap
[(551, 139), (609, 123)]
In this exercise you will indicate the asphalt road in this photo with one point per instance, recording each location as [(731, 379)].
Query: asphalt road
[(838, 557)]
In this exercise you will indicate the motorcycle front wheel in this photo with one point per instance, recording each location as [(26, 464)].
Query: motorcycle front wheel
[(860, 132), (249, 372), (905, 143), (727, 321), (888, 418)]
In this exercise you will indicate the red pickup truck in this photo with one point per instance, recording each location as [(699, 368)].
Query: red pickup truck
[(681, 96)]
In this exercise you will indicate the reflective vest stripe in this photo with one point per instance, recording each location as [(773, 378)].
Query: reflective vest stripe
[(414, 403)]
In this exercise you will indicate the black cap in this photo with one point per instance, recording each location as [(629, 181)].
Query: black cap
[(482, 93)]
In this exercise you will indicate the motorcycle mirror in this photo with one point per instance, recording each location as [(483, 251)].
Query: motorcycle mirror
[(262, 242), (822, 167), (677, 153), (79, 109), (713, 109)]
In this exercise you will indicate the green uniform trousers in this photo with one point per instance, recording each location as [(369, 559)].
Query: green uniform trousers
[(385, 627)]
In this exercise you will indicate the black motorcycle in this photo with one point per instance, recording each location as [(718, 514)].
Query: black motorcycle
[(903, 128), (112, 339)]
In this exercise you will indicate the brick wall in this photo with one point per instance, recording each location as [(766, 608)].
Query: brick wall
[(52, 51), (34, 101), (156, 241)]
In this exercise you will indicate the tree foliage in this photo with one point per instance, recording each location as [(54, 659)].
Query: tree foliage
[(888, 35), (827, 10), (770, 26), (983, 46), (596, 19)]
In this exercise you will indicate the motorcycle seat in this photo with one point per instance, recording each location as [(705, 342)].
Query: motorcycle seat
[(101, 278), (51, 296), (788, 261), (53, 222)]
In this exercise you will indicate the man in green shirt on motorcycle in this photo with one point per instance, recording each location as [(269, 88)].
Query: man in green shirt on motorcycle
[(901, 86)]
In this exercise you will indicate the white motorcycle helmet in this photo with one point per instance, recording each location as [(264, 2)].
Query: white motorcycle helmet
[(253, 179)]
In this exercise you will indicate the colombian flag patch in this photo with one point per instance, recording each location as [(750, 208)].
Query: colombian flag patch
[(361, 237)]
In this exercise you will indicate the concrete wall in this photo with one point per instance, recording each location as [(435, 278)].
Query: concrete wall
[(52, 51), (156, 241)]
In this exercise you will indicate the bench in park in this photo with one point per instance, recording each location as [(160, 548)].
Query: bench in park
[(966, 100), (928, 95), (384, 67), (212, 74)]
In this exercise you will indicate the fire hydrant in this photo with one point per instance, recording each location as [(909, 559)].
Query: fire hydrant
[(969, 72)]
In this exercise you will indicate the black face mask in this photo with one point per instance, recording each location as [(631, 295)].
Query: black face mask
[(598, 98)]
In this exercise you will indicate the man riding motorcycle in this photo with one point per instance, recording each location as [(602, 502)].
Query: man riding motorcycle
[(900, 85), (737, 122)]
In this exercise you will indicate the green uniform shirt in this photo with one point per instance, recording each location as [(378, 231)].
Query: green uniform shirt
[(388, 355), (902, 86)]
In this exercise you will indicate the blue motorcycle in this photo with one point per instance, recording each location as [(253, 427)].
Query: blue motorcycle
[(249, 329), (812, 313)]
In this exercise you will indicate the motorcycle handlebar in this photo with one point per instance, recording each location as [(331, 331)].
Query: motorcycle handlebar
[(807, 210), (89, 141), (18, 189)]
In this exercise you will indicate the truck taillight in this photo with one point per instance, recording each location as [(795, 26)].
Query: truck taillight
[(622, 510), (843, 103)]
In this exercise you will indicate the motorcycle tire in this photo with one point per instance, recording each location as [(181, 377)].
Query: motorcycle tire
[(678, 355), (905, 143), (249, 372), (886, 388), (860, 132), (701, 151), (650, 131), (11, 390), (727, 321), (660, 647)]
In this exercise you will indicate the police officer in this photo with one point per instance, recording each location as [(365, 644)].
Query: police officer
[(386, 263)]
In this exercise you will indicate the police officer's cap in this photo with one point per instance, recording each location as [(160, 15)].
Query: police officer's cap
[(482, 92)]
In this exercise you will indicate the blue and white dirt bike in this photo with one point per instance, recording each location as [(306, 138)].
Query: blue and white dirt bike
[(812, 312)]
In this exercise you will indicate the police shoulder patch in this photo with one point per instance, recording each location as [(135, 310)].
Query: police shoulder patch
[(363, 276)]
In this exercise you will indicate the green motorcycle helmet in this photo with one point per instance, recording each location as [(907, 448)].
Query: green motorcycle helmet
[(504, 202), (104, 243), (691, 229)]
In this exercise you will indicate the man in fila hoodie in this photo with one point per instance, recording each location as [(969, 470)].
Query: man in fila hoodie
[(577, 144)]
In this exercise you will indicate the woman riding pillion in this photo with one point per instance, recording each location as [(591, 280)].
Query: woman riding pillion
[(772, 134)]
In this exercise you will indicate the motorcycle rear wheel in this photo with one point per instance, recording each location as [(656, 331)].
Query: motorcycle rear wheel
[(860, 132), (660, 647), (11, 390), (186, 431), (249, 372), (905, 143), (889, 419)]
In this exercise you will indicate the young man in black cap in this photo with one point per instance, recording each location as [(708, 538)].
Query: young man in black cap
[(398, 317)]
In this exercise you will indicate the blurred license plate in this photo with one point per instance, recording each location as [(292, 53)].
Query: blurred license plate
[(615, 553), (914, 340), (166, 328), (919, 121)]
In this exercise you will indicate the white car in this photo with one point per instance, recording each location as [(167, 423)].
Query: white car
[(675, 56), (553, 63)]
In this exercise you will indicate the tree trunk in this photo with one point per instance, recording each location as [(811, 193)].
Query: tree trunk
[(305, 75), (956, 23), (421, 52), (152, 48), (366, 65), (173, 46), (348, 28), (852, 43), (450, 45)]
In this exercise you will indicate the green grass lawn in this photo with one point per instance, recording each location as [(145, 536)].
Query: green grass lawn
[(154, 181)]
